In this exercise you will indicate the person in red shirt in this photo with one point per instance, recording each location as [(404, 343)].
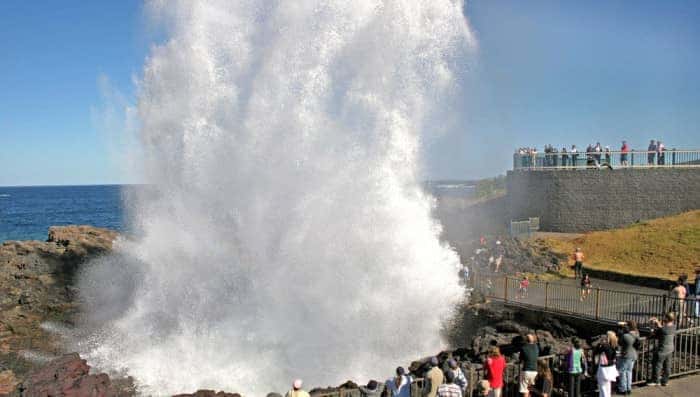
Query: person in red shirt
[(623, 154), (495, 364)]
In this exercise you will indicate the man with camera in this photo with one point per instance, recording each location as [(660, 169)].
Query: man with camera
[(664, 333)]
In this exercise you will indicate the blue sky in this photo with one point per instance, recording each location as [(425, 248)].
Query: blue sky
[(558, 72)]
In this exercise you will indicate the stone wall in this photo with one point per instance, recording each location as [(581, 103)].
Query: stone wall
[(589, 199)]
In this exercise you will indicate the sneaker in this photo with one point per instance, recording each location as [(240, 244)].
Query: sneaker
[(652, 383)]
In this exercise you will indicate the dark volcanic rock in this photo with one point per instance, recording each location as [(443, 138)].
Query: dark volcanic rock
[(208, 393), (68, 376)]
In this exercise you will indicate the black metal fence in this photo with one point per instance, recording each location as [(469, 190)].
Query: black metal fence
[(593, 303), (611, 159)]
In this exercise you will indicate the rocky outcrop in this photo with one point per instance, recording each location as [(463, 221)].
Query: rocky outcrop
[(36, 287), (69, 376)]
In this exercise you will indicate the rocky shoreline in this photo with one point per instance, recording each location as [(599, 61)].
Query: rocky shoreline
[(37, 278)]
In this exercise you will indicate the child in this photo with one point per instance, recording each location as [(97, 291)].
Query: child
[(585, 287), (524, 283)]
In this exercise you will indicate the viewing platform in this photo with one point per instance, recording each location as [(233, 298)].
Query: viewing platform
[(671, 158)]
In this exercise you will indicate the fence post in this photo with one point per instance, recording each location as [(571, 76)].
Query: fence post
[(664, 304), (597, 303), (546, 295), (505, 288)]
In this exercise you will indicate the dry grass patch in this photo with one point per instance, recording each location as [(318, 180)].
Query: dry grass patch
[(662, 248)]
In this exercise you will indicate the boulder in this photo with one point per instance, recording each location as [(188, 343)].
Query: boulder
[(67, 376)]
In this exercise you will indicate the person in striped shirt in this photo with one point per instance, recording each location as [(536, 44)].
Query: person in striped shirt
[(449, 388)]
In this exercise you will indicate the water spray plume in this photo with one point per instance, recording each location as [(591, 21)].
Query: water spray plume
[(285, 233)]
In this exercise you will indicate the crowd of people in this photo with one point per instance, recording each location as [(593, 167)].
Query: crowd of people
[(595, 155), (610, 361)]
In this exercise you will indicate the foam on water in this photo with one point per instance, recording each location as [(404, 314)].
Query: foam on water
[(287, 234)]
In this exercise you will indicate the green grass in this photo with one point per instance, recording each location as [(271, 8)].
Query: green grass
[(662, 248)]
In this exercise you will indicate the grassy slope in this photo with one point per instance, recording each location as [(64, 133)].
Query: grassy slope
[(660, 248)]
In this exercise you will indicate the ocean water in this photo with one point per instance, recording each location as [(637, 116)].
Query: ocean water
[(27, 212)]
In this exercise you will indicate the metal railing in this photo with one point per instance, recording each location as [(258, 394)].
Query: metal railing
[(593, 303), (611, 159), (684, 361), (524, 228)]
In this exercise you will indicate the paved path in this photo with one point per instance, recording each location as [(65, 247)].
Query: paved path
[(679, 387), (608, 300)]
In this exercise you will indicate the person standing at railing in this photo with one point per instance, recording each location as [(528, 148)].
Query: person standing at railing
[(433, 379), (678, 294), (651, 152), (460, 379), (578, 262), (483, 388), (628, 356), (697, 293), (494, 366), (449, 388), (545, 380), (529, 354), (574, 156), (576, 367), (606, 353), (624, 150), (598, 151), (399, 386), (373, 389), (297, 390), (660, 153), (665, 334), (608, 158), (564, 157), (586, 287)]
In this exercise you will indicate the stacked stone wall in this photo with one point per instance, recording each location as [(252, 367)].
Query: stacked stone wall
[(581, 200)]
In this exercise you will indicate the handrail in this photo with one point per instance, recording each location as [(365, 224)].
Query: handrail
[(598, 304), (668, 158)]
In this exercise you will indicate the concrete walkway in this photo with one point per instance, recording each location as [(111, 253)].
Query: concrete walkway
[(679, 387), (608, 300)]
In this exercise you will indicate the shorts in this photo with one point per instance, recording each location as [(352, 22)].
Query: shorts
[(527, 379)]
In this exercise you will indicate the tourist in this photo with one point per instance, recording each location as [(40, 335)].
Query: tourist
[(586, 287), (660, 153), (597, 150), (545, 379), (460, 379), (433, 379), (578, 262), (651, 152), (576, 366), (607, 156), (624, 150), (449, 388), (589, 155), (373, 389), (564, 157), (678, 294), (529, 354), (683, 279), (628, 356), (297, 390), (522, 288), (399, 386), (574, 155), (697, 292), (665, 334), (483, 388), (605, 353), (495, 365)]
